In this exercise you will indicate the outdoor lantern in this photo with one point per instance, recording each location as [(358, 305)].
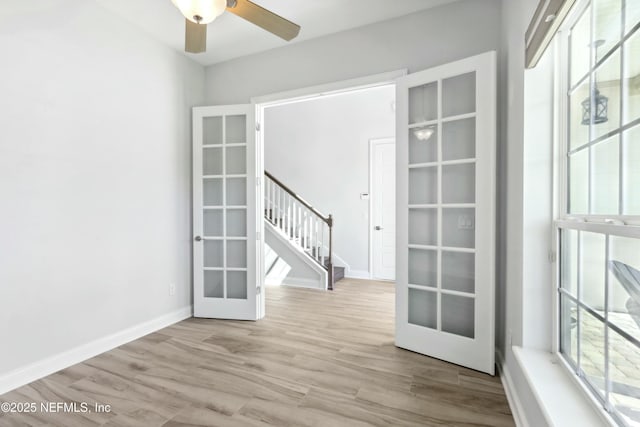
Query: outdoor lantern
[(594, 108)]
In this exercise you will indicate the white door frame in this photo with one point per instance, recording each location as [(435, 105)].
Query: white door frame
[(372, 142), (315, 92)]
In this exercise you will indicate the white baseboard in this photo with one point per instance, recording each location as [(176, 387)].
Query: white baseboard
[(303, 283), (357, 274), (512, 396), (25, 375)]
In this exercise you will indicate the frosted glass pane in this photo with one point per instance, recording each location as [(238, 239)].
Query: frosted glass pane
[(237, 284), (458, 315), (423, 103), (236, 191), (423, 151), (458, 228), (423, 265), (423, 185), (606, 172), (237, 253), (236, 129), (237, 222), (458, 271), (569, 261), (569, 328), (236, 160), (578, 133), (423, 308), (212, 220), (212, 161), (579, 42), (579, 182), (608, 83), (459, 95), (213, 284), (632, 77), (459, 139), (213, 253), (607, 25), (212, 130), (212, 192), (631, 171), (593, 269), (423, 227), (459, 183)]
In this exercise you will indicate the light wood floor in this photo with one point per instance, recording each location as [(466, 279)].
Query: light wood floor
[(317, 359)]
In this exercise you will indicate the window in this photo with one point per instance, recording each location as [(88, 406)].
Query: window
[(598, 229)]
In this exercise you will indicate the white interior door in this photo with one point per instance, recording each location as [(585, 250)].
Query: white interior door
[(446, 118), (383, 203), (227, 245)]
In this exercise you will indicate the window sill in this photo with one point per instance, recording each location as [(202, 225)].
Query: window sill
[(558, 392)]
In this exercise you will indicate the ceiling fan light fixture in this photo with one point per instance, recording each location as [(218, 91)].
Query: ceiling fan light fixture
[(201, 11)]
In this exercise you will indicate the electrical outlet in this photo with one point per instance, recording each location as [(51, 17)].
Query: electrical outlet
[(172, 289)]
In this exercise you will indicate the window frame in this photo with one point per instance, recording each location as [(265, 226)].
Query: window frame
[(619, 224)]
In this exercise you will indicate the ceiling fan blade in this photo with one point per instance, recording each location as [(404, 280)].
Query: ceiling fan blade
[(195, 38), (265, 19)]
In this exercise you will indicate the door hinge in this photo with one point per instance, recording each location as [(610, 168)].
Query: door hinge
[(258, 126), (258, 290), (257, 235), (552, 257), (258, 181)]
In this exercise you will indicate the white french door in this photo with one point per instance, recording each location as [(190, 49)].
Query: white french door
[(226, 228), (446, 178)]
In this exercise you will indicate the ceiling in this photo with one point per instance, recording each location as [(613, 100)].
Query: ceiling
[(230, 37)]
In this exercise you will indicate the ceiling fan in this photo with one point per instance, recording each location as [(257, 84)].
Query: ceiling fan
[(199, 13)]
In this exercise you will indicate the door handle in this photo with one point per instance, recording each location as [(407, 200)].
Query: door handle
[(198, 238), (378, 228)]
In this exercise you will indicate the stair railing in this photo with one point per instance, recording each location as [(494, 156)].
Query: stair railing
[(303, 224)]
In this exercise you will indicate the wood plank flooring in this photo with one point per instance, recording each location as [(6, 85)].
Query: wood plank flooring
[(317, 359)]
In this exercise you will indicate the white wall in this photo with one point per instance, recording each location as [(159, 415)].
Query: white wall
[(418, 41), (320, 148), (94, 177), (415, 42), (298, 271), (515, 19)]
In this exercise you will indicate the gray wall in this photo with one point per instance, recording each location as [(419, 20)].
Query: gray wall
[(320, 148), (418, 41), (95, 177), (524, 183), (415, 42)]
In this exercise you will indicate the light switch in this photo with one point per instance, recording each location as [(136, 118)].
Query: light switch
[(465, 222)]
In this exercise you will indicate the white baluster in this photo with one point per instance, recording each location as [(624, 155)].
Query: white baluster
[(280, 212), (314, 236), (271, 201), (322, 224), (285, 226), (267, 190), (307, 229)]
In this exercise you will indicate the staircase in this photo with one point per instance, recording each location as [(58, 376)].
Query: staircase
[(305, 228)]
